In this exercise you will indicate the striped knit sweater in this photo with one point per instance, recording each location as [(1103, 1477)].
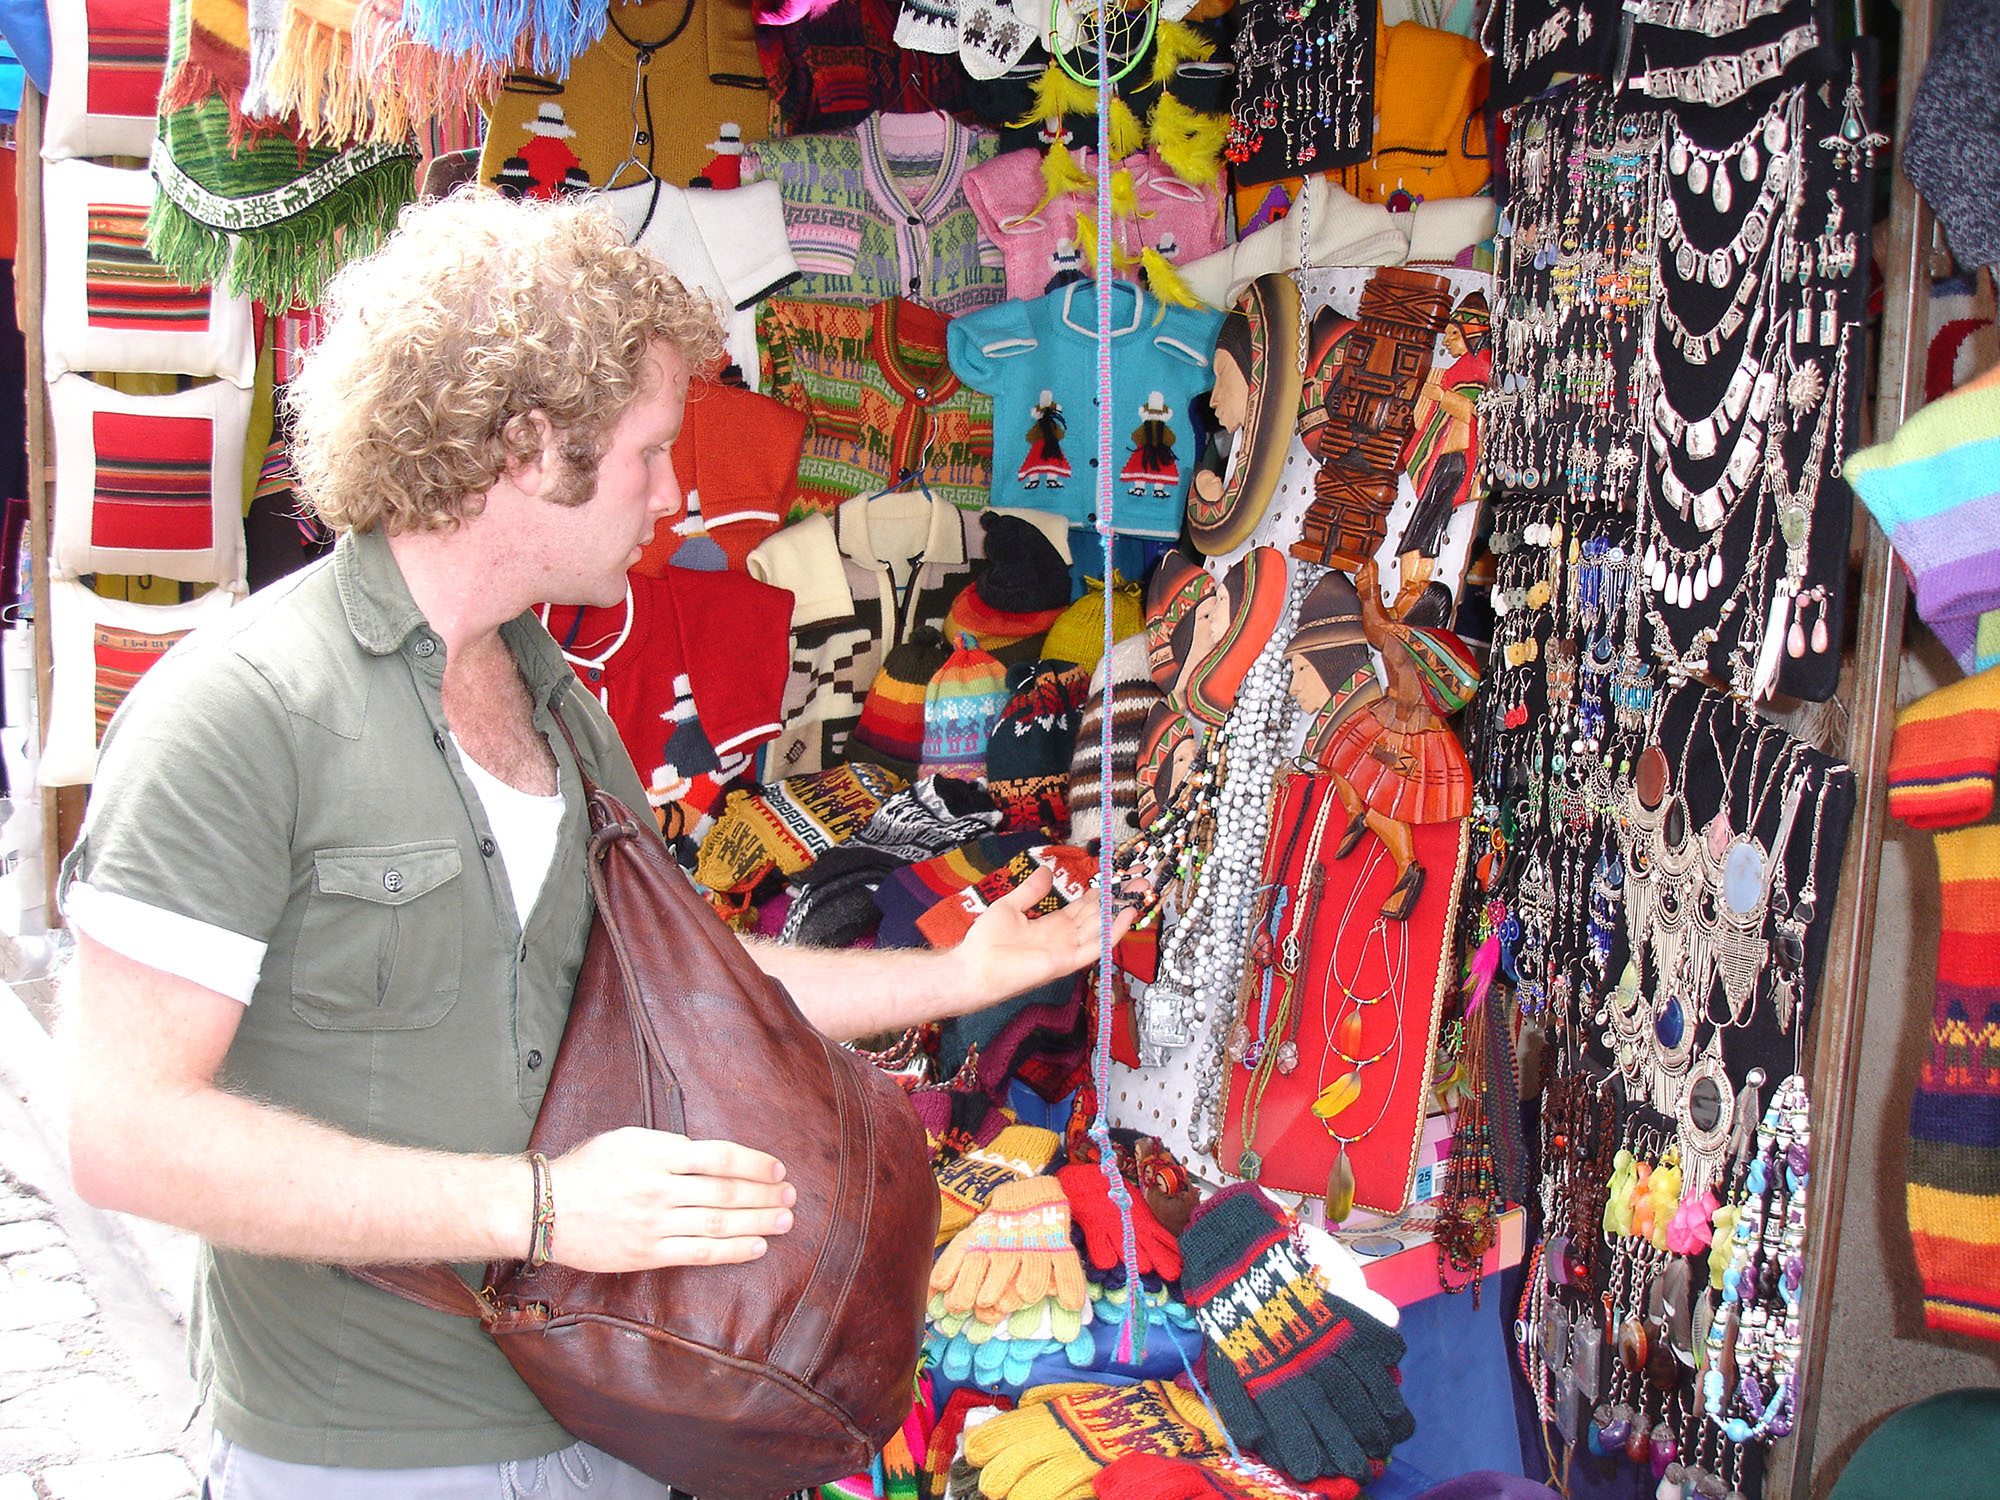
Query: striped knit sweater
[(1954, 1169), (1932, 488)]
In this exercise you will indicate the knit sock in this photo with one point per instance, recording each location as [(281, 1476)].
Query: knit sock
[(1946, 755), (1954, 1174)]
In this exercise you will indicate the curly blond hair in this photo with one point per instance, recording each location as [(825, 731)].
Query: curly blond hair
[(477, 312)]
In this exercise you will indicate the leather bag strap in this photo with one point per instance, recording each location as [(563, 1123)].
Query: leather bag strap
[(434, 1286)]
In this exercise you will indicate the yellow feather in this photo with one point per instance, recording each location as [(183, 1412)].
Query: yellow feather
[(1127, 134), (1056, 93), (1165, 283), (1190, 143), (1175, 44)]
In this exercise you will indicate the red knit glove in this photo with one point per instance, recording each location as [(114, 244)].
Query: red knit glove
[(1092, 1211)]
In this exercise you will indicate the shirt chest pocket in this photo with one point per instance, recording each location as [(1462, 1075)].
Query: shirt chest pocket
[(381, 947)]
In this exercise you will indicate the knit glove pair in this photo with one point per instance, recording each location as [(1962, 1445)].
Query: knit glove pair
[(1096, 1216), (1142, 1476), (966, 1181), (1016, 1253), (994, 1355), (1304, 1379), (1053, 1446)]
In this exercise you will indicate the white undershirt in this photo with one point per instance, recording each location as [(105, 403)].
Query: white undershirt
[(525, 826)]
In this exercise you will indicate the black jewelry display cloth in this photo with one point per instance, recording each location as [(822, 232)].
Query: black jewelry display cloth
[(1305, 88), (1755, 369), (1533, 42)]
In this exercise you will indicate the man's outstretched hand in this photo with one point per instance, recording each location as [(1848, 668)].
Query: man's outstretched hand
[(1009, 949)]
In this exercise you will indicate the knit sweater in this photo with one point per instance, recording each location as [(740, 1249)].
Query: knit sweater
[(883, 406), (1023, 352), (880, 211), (862, 581), (1038, 240), (697, 72)]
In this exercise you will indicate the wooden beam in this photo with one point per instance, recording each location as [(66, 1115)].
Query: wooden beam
[(1836, 1052)]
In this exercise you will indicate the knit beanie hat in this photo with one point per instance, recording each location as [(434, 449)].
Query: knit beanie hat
[(1029, 751), (1133, 695), (1946, 755), (891, 728), (1078, 633), (963, 700), (1020, 592)]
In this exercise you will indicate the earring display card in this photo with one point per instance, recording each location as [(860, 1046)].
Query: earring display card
[(1578, 187), (1533, 41), (1305, 88), (1754, 369)]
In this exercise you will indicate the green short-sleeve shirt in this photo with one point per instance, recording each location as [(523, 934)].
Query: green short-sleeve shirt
[(286, 775)]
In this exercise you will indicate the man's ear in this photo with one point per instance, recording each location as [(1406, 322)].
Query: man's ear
[(534, 455)]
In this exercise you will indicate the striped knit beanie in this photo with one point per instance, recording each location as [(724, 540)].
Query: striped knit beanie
[(891, 728), (1935, 489), (1953, 1192), (964, 699), (1078, 633), (1133, 694), (1946, 755)]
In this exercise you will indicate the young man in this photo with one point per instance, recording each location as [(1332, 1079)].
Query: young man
[(330, 900)]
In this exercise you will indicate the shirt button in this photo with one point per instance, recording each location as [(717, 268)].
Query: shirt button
[(923, 393), (915, 284), (486, 847), (914, 218), (437, 738), (524, 950), (392, 881), (426, 647), (534, 1057)]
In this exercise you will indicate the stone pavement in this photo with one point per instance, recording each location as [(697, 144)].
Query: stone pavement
[(95, 1403)]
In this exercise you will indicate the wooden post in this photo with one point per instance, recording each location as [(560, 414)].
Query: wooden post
[(1836, 1050)]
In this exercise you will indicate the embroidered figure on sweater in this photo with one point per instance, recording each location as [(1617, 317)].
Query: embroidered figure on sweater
[(1045, 463), (548, 158), (1065, 265), (1152, 468)]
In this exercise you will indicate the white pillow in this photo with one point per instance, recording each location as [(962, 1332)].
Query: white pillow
[(109, 305), (107, 60), (149, 484), (99, 648)]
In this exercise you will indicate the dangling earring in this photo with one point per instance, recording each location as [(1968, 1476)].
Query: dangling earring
[(1819, 630), (1795, 638)]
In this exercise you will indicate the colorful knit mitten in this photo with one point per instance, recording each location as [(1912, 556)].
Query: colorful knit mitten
[(1093, 1212), (1954, 1187), (1946, 755), (1054, 1445), (1142, 1476), (1015, 1253), (1304, 1379), (965, 1183)]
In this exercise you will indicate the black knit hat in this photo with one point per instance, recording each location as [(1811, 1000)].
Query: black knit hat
[(1025, 574)]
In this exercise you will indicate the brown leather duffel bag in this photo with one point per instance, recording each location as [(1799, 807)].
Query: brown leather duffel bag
[(734, 1382)]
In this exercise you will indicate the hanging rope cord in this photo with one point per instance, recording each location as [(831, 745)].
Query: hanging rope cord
[(1132, 1330)]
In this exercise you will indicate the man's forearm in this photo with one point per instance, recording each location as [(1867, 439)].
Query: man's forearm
[(252, 1177), (856, 992)]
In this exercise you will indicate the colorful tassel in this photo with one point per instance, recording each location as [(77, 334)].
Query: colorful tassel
[(428, 83), (492, 31)]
